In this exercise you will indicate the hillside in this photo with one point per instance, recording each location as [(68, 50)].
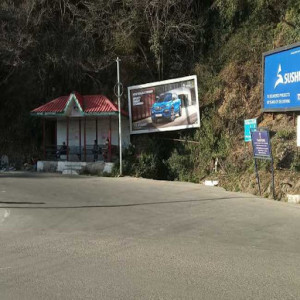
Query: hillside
[(50, 48)]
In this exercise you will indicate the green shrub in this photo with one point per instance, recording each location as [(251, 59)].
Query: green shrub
[(181, 167), (295, 165), (286, 134), (149, 166), (129, 162)]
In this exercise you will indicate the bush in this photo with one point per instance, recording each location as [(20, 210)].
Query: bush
[(129, 162), (148, 166), (285, 134), (295, 165), (180, 166)]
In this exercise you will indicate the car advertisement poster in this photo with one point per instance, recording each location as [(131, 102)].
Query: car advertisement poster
[(281, 76), (164, 105)]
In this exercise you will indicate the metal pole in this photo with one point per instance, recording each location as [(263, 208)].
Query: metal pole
[(257, 176), (109, 137), (44, 138), (255, 163), (68, 124), (119, 108), (80, 140), (273, 180), (84, 138), (97, 130)]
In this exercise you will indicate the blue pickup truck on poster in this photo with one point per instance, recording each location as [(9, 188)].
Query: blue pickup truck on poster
[(166, 106), (281, 75)]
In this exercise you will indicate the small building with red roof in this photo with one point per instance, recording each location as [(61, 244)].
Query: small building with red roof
[(81, 128)]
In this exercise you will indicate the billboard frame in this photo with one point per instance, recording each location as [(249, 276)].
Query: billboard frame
[(157, 83), (277, 50)]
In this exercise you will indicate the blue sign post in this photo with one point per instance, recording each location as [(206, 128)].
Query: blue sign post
[(262, 150), (281, 79), (261, 144), (248, 125)]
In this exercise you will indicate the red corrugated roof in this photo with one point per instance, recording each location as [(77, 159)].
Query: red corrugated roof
[(97, 103), (55, 106), (90, 104)]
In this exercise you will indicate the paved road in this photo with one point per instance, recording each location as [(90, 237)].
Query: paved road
[(109, 238)]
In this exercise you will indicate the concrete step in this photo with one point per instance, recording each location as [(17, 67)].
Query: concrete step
[(70, 172), (73, 167)]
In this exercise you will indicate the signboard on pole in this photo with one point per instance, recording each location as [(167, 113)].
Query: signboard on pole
[(262, 150), (281, 79), (248, 125), (261, 144), (164, 105)]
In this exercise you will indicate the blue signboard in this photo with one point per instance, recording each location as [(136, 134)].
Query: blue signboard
[(262, 149), (281, 90), (248, 125), (261, 144)]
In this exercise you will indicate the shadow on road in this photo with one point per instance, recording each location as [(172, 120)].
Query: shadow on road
[(11, 202), (121, 205), (27, 175)]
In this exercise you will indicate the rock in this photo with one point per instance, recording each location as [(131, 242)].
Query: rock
[(108, 167), (293, 198), (70, 172), (211, 182)]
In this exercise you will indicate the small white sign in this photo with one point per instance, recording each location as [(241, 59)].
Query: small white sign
[(298, 131)]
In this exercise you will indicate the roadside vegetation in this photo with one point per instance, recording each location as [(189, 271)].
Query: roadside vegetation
[(50, 48)]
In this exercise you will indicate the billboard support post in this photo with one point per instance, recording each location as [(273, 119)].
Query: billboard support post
[(120, 119)]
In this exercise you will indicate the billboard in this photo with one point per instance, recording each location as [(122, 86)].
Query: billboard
[(164, 105), (281, 79)]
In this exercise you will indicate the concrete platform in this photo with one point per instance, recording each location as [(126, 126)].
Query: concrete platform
[(69, 167)]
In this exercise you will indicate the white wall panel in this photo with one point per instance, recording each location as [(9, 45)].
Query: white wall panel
[(103, 131)]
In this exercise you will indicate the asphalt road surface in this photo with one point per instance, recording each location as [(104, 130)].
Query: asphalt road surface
[(125, 238)]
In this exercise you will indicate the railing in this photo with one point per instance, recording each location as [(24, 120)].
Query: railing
[(76, 153)]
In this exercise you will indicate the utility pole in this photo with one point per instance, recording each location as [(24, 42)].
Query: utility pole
[(119, 108)]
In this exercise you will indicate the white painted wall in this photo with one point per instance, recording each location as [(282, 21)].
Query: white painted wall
[(73, 110), (103, 131), (63, 166)]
